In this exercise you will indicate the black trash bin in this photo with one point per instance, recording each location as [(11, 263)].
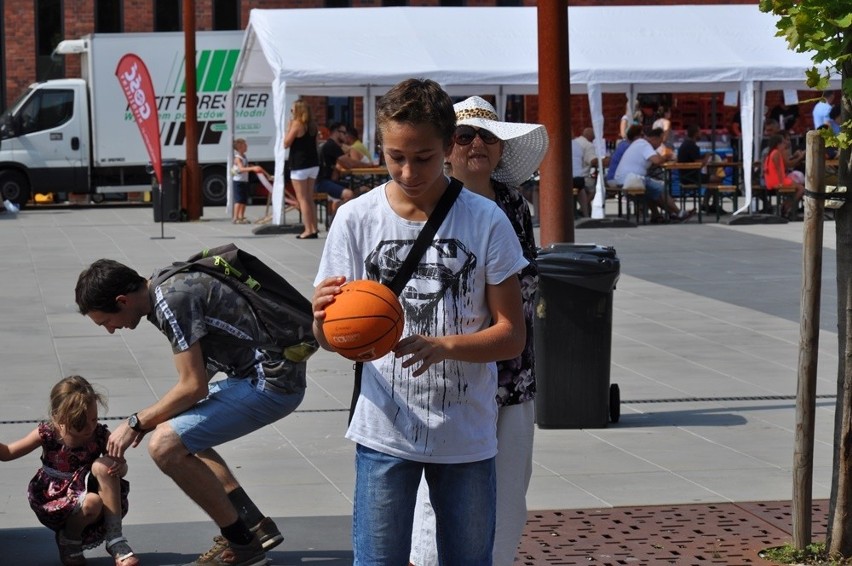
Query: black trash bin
[(573, 336), (166, 200)]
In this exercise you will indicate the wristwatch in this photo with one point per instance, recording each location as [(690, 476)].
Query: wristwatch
[(133, 422)]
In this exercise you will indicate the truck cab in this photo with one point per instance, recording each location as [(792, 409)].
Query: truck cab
[(44, 141)]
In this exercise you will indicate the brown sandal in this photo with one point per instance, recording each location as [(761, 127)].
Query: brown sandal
[(123, 556), (70, 551)]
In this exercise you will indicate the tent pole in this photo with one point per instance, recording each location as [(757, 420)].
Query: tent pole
[(367, 131)]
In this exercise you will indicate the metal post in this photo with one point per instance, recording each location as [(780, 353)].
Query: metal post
[(554, 95), (192, 180)]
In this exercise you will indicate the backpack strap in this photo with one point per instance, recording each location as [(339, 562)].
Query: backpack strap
[(406, 270)]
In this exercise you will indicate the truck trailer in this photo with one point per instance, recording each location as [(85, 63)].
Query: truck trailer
[(78, 135)]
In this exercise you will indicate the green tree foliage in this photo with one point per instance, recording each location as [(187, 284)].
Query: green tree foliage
[(824, 28)]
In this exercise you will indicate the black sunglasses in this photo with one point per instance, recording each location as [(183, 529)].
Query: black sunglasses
[(464, 135)]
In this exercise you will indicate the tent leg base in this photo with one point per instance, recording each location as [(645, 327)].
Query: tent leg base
[(604, 223), (265, 229), (746, 219)]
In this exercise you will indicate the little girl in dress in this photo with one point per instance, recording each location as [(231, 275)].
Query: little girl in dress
[(78, 492)]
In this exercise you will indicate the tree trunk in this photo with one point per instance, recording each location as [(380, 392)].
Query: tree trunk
[(812, 244), (840, 510)]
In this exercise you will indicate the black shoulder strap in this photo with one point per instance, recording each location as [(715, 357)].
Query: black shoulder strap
[(427, 234), (424, 239)]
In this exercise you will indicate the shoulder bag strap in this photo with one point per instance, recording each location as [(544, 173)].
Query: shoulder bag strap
[(424, 239)]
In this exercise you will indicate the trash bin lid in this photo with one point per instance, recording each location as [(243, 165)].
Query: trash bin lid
[(173, 163), (594, 249), (584, 265)]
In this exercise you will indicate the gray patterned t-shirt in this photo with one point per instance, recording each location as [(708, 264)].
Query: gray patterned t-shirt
[(194, 306)]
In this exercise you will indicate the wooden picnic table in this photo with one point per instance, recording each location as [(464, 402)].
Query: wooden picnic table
[(715, 183), (371, 176)]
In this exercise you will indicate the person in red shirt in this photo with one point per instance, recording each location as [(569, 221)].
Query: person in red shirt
[(776, 175)]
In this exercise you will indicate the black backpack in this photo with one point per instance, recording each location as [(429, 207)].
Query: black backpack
[(286, 315)]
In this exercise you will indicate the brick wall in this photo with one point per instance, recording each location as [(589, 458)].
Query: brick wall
[(138, 16), (19, 49), (79, 20)]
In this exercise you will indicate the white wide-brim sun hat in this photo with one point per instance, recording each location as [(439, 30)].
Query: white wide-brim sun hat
[(524, 145)]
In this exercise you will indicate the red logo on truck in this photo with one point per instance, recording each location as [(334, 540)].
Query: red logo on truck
[(139, 90)]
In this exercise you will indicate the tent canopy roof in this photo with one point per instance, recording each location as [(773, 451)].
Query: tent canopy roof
[(655, 48)]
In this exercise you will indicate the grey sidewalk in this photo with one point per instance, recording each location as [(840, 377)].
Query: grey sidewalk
[(705, 346)]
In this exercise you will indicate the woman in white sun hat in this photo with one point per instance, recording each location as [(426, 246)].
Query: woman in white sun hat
[(492, 158)]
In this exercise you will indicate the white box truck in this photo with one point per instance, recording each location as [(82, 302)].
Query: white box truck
[(79, 136)]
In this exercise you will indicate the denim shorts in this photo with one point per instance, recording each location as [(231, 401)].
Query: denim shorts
[(329, 187), (232, 409), (241, 190), (653, 189)]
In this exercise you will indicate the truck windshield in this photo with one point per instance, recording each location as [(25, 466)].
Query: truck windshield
[(6, 123), (47, 108)]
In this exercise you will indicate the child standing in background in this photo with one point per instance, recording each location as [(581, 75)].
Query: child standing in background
[(240, 172), (77, 493)]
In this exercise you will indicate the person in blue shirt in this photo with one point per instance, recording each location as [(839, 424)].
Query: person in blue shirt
[(633, 132)]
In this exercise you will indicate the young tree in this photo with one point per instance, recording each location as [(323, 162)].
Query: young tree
[(824, 27)]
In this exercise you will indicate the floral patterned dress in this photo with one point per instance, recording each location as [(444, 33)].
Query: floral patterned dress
[(516, 377), (59, 486)]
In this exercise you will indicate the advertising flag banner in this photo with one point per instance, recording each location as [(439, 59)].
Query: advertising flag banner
[(139, 90)]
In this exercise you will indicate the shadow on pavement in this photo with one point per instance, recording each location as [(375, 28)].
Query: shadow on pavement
[(323, 540)]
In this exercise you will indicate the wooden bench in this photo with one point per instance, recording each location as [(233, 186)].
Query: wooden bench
[(688, 190), (321, 202), (635, 196), (783, 193), (720, 191)]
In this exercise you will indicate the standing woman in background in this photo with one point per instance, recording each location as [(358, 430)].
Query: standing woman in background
[(301, 139)]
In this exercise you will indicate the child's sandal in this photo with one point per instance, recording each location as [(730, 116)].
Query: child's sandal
[(70, 551), (120, 551)]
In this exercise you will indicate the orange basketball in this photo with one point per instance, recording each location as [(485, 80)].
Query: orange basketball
[(364, 322)]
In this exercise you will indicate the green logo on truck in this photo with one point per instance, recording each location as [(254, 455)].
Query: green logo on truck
[(214, 72)]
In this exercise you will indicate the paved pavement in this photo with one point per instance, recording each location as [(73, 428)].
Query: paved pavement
[(705, 335)]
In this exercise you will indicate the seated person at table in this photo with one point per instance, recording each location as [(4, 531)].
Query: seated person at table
[(777, 173), (639, 157), (633, 132), (357, 150), (689, 152), (332, 159)]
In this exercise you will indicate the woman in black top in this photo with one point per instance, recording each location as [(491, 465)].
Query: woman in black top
[(301, 138)]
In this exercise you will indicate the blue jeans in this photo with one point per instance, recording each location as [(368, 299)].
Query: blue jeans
[(462, 495)]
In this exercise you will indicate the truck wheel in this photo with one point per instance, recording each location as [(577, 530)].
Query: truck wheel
[(15, 187), (214, 187)]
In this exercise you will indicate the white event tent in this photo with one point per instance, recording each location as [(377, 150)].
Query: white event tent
[(494, 51)]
